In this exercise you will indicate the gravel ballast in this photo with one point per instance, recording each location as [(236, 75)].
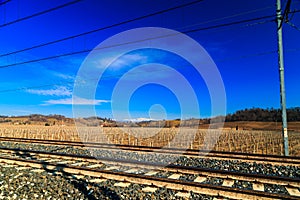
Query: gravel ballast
[(227, 165), (26, 183)]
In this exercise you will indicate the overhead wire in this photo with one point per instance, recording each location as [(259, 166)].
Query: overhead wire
[(287, 10), (288, 19), (104, 28), (4, 2), (119, 75), (293, 25), (230, 16), (127, 21), (193, 30), (39, 13), (137, 41), (231, 23)]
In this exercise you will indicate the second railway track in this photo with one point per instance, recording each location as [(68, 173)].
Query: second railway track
[(247, 157), (153, 175)]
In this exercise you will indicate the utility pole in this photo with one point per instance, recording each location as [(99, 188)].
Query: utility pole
[(281, 73)]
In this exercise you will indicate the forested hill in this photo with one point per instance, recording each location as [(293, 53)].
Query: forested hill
[(263, 115), (253, 114)]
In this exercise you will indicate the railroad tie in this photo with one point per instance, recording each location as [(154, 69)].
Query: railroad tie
[(78, 176), (79, 164), (122, 184), (9, 166), (133, 170), (228, 182), (185, 195), (149, 189), (95, 165), (258, 187), (112, 168), (200, 179), (65, 162), (38, 170), (151, 173), (22, 168), (175, 176), (293, 191), (53, 160), (98, 180)]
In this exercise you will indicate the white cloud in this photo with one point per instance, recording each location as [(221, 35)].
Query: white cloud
[(122, 61), (65, 76), (139, 119), (75, 101), (59, 91)]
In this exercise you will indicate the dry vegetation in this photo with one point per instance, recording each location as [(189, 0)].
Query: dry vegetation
[(262, 142)]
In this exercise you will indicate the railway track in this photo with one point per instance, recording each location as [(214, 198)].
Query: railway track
[(182, 179), (245, 157)]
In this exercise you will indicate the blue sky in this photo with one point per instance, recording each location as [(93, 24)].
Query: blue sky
[(46, 87)]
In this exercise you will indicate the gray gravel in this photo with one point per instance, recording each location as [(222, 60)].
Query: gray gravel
[(213, 181), (163, 174), (188, 177), (242, 185), (229, 165), (279, 189), (236, 166), (26, 184)]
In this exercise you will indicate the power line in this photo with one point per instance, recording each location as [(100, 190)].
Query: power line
[(294, 11), (293, 25), (135, 19), (137, 41), (231, 16), (39, 13), (286, 18), (232, 23), (4, 2), (258, 23), (119, 75), (104, 28), (248, 56), (287, 9)]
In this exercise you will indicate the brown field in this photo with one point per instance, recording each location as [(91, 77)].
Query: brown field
[(250, 141), (253, 125)]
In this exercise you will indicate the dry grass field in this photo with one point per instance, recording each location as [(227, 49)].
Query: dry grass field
[(250, 141)]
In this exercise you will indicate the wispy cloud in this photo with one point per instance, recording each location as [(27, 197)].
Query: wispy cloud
[(75, 101), (65, 76), (124, 60), (140, 119), (59, 91)]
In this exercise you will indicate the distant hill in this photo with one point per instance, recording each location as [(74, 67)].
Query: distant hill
[(254, 118), (52, 120), (37, 119), (264, 115)]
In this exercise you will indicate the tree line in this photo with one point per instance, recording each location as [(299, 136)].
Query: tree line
[(265, 115)]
